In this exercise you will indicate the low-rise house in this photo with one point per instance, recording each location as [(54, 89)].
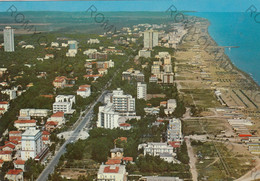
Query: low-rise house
[(95, 77), (59, 82), (171, 105), (50, 126), (8, 147), (84, 91), (24, 113), (156, 148), (46, 138), (48, 56), (15, 143), (14, 175), (4, 106), (24, 124), (112, 172), (15, 135), (6, 156), (54, 44), (57, 117), (19, 164)]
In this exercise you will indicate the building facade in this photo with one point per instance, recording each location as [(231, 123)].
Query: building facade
[(31, 143), (141, 90), (9, 39)]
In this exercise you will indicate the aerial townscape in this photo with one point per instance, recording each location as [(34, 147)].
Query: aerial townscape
[(150, 101)]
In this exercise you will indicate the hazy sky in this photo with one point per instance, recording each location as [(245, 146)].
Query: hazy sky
[(137, 5)]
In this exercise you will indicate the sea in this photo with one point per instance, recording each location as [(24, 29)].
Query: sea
[(237, 29)]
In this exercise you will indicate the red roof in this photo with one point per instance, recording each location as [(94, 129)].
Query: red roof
[(244, 135), (113, 161), (175, 144), (45, 139), (4, 102), (58, 114), (54, 123), (98, 75), (85, 86), (45, 133), (15, 132), (128, 159), (5, 152), (25, 121), (81, 90), (14, 172), (1, 161), (125, 124), (14, 142), (8, 145), (11, 138), (19, 162), (2, 109), (109, 170)]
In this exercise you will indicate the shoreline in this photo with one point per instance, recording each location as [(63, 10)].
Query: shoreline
[(228, 59)]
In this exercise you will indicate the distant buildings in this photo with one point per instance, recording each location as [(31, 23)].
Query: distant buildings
[(63, 103), (141, 90), (73, 48), (159, 178), (9, 39), (93, 41), (132, 74), (62, 82), (31, 143), (150, 39), (144, 53)]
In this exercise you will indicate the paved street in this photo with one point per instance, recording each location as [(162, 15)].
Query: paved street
[(82, 123)]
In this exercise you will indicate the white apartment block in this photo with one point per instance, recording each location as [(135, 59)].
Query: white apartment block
[(112, 172), (124, 104), (73, 48), (34, 112), (63, 103), (156, 148), (141, 90), (107, 117), (150, 39), (8, 39), (31, 143), (174, 130)]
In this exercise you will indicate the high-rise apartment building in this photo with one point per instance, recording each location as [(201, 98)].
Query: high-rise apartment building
[(9, 39), (31, 143), (150, 39), (141, 90)]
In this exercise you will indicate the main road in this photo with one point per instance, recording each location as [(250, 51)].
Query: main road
[(51, 165)]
